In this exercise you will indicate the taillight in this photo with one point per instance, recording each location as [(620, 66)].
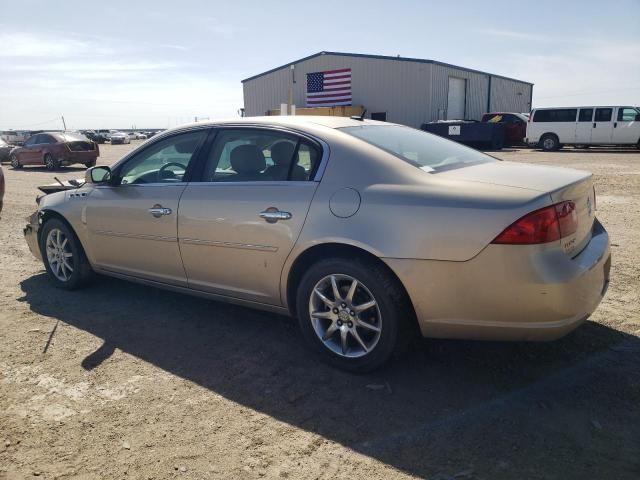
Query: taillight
[(542, 226)]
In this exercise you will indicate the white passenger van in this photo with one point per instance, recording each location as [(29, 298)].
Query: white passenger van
[(551, 128)]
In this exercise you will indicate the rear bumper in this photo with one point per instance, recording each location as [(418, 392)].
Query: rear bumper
[(70, 158), (508, 292)]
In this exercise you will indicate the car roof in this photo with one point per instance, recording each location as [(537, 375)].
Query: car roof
[(291, 121)]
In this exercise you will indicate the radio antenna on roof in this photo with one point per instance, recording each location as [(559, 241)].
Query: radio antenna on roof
[(359, 117)]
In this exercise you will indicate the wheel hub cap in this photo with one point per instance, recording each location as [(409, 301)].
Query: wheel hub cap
[(345, 316), (59, 255)]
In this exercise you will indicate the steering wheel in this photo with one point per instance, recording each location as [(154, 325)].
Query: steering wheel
[(162, 174)]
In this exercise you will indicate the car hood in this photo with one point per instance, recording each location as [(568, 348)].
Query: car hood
[(538, 178)]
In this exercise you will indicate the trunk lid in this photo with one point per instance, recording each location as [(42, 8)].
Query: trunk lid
[(562, 184), (81, 146)]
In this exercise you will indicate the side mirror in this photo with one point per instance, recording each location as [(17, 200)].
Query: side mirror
[(637, 117), (98, 175)]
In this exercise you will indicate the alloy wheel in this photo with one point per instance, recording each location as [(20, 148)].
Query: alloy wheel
[(59, 254), (345, 315), (15, 163)]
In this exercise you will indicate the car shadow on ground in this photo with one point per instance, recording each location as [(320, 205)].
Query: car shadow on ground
[(505, 410)]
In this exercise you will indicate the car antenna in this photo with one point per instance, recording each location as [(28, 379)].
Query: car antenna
[(58, 180), (359, 117)]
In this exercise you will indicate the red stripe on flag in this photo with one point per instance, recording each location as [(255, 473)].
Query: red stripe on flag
[(325, 100), (338, 71)]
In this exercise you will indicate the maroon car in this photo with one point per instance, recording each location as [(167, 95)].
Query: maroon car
[(54, 150), (515, 125)]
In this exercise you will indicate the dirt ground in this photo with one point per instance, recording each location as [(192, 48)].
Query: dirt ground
[(125, 381)]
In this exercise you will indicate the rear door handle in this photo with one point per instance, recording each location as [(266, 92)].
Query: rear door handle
[(158, 211), (272, 215)]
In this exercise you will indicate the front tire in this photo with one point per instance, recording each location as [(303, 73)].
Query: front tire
[(51, 163), (353, 313), (90, 164), (15, 163), (63, 256)]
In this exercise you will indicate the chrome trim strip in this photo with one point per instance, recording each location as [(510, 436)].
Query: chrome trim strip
[(135, 235), (205, 126), (242, 246)]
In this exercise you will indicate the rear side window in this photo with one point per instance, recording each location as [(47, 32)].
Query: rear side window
[(586, 114), (258, 155), (603, 114), (557, 115)]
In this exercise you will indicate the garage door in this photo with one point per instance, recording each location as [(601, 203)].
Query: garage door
[(457, 98)]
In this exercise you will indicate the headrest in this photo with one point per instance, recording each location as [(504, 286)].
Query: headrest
[(247, 159), (282, 152)]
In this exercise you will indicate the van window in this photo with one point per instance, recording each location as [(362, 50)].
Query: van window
[(627, 114), (603, 114), (557, 115), (586, 114)]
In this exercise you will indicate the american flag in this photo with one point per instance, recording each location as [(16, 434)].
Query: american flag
[(326, 89)]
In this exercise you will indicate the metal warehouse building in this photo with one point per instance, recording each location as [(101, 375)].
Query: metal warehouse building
[(410, 91)]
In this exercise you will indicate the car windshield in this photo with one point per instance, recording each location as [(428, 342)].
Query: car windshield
[(421, 149)]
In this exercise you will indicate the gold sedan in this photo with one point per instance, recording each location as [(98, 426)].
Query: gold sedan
[(367, 232)]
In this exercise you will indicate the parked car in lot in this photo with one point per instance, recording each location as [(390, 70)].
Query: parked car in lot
[(119, 138), (515, 125), (551, 128), (365, 231), (5, 150), (99, 138), (53, 150)]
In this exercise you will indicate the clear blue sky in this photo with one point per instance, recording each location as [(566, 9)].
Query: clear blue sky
[(155, 64)]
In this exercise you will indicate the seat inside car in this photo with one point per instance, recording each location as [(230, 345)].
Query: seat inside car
[(282, 156), (248, 162)]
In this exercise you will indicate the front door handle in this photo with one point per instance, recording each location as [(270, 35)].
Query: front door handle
[(272, 215), (158, 211), (594, 124)]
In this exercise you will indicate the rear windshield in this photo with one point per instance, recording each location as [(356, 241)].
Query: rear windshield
[(421, 149), (73, 137)]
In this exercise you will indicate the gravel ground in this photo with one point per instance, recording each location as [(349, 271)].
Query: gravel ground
[(125, 381)]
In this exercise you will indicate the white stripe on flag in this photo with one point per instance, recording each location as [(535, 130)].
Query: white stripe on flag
[(326, 99), (342, 91), (330, 104)]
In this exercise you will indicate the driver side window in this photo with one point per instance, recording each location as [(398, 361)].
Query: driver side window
[(165, 161)]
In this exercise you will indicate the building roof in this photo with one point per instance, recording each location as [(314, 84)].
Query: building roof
[(382, 57)]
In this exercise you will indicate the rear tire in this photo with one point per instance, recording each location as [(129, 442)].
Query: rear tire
[(90, 164), (63, 256), (51, 163), (549, 142), (343, 334), (15, 163)]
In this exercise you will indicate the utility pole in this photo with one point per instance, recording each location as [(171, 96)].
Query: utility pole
[(292, 80), (64, 124)]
